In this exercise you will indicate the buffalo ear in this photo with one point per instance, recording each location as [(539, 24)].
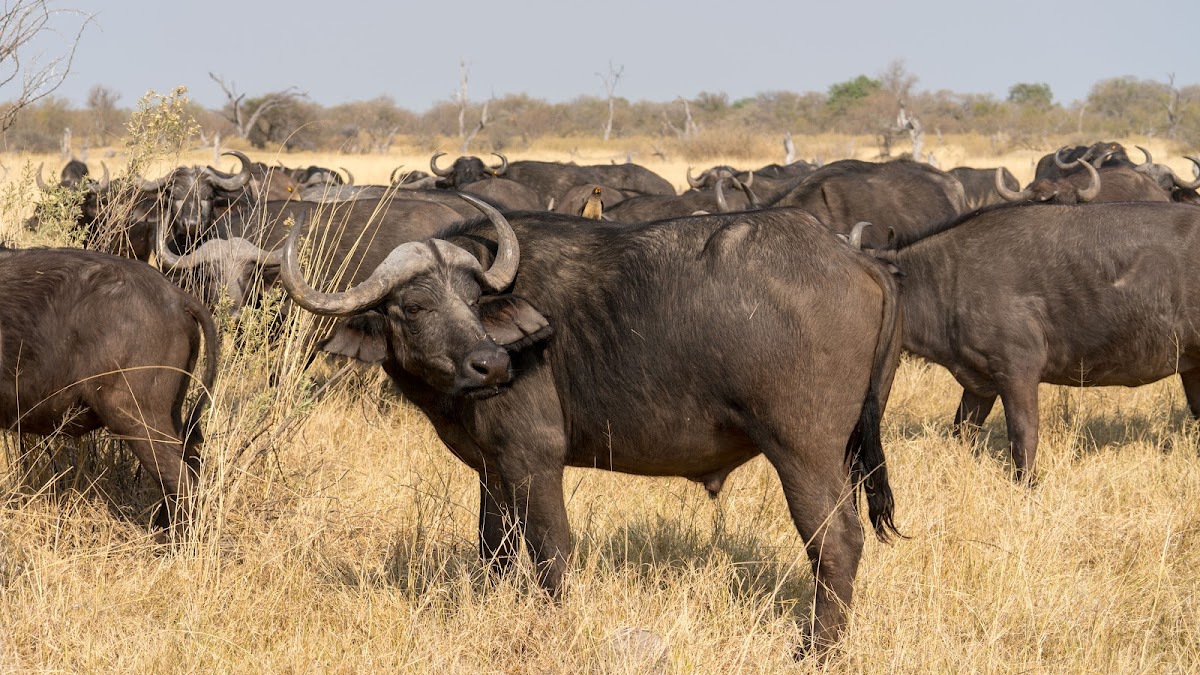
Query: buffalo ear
[(362, 337), (513, 323)]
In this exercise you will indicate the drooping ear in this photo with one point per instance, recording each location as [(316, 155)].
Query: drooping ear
[(513, 323), (362, 337)]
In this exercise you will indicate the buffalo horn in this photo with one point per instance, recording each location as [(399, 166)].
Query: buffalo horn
[(1009, 195), (508, 252), (349, 176), (440, 173), (392, 178), (499, 170), (104, 179), (231, 183), (696, 183), (41, 183), (1149, 159), (722, 205), (1094, 190), (750, 196), (855, 239), (1065, 166), (1179, 182)]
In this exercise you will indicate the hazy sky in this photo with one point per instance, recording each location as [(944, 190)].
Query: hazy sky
[(340, 51)]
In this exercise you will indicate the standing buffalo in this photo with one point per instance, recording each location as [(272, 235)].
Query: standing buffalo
[(91, 340), (904, 196), (1086, 295), (510, 339)]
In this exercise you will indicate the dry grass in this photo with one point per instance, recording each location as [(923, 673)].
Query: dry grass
[(350, 546)]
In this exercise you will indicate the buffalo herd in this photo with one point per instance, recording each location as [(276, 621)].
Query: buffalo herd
[(546, 315)]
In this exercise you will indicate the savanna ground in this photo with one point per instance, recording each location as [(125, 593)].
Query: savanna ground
[(342, 537)]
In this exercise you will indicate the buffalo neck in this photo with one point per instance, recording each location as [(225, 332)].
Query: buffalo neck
[(925, 287)]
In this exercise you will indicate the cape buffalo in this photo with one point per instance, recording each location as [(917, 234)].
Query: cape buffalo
[(91, 340), (1086, 295), (356, 237), (1107, 184), (647, 208), (466, 170), (979, 185), (902, 195), (1103, 153), (551, 179), (679, 348)]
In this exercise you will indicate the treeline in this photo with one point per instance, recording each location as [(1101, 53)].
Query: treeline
[(1121, 106)]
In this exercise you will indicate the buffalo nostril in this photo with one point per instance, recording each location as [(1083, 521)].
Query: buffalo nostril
[(490, 368)]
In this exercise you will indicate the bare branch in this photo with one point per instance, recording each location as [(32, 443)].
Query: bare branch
[(21, 22)]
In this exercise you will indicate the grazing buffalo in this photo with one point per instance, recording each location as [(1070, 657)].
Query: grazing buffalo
[(680, 348), (506, 194), (91, 340), (902, 196), (551, 180), (1085, 295), (979, 185)]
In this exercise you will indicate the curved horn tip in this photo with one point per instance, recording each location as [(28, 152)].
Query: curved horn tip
[(500, 170), (1093, 191), (855, 239), (1149, 158), (508, 250), (1009, 195), (440, 173)]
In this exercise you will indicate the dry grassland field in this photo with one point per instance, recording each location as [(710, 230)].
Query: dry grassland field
[(339, 535)]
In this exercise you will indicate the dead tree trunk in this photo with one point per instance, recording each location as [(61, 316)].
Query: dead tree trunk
[(610, 84)]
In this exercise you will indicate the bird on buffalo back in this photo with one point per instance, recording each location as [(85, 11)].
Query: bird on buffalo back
[(593, 206)]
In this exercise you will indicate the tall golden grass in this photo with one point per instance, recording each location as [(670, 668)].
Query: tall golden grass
[(346, 543)]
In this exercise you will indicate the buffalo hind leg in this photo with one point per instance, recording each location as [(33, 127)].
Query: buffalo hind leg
[(1019, 394), (537, 498), (823, 510), (156, 440), (973, 411), (1191, 389), (498, 530)]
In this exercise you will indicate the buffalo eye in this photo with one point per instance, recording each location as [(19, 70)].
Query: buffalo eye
[(411, 310)]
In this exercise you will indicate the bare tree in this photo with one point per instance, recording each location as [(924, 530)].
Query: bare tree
[(21, 24), (1174, 114), (910, 123), (464, 74), (610, 84), (789, 149), (102, 101), (243, 123)]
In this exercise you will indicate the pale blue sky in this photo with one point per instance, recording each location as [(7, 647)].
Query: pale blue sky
[(339, 51)]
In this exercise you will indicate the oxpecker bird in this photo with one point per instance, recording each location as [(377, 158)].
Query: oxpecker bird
[(593, 206)]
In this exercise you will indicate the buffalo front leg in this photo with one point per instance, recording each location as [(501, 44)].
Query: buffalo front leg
[(1020, 398), (537, 498), (498, 529), (973, 411)]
